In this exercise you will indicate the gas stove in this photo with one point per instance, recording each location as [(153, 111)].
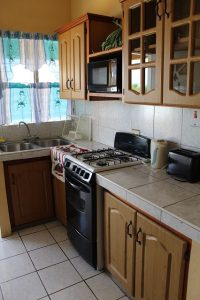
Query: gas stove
[(104, 159)]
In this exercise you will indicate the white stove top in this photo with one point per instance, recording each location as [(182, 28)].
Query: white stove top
[(104, 159)]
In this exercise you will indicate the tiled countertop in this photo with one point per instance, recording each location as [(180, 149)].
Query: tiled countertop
[(174, 203)]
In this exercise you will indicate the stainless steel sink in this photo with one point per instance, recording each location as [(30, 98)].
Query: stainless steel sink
[(44, 143), (17, 146)]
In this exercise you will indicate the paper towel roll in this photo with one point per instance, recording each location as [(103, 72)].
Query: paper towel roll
[(159, 153)]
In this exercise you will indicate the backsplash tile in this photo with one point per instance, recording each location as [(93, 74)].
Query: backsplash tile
[(190, 134), (142, 118), (167, 123)]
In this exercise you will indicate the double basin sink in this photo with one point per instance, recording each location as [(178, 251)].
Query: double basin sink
[(33, 144)]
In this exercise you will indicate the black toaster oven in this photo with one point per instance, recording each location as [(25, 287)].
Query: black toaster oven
[(184, 164)]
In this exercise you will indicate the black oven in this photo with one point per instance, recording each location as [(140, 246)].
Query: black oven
[(81, 210), (105, 76)]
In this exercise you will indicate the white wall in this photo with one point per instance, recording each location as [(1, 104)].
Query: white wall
[(172, 124)]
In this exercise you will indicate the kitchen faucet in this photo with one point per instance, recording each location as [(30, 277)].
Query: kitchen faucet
[(28, 130)]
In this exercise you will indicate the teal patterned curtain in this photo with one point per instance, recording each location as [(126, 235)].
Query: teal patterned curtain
[(29, 78)]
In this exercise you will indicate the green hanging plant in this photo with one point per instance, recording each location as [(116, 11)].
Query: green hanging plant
[(114, 39)]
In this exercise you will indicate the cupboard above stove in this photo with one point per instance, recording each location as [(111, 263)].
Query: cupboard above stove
[(80, 41), (161, 52)]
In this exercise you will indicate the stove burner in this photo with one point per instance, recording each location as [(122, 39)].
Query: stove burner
[(102, 163)]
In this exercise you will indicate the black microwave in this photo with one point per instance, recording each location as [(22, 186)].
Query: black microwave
[(105, 76)]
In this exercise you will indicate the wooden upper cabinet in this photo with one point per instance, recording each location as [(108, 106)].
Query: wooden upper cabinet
[(78, 62), (182, 53), (64, 62), (142, 51), (119, 224), (160, 262), (72, 63)]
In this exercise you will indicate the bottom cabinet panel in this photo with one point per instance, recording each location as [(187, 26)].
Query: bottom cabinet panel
[(30, 189), (60, 200), (119, 241), (160, 262)]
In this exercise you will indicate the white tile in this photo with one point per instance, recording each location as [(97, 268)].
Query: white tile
[(59, 277), (110, 186), (31, 230), (104, 288), (11, 247), (95, 131), (84, 269), (106, 136), (147, 207), (37, 240), (47, 256), (1, 297), (12, 236), (75, 292), (52, 224), (69, 249), (167, 123), (162, 193), (130, 177), (180, 226), (59, 233), (15, 266), (142, 118), (124, 298), (45, 298), (28, 287), (190, 134)]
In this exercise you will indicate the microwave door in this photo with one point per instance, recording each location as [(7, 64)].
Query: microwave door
[(112, 73)]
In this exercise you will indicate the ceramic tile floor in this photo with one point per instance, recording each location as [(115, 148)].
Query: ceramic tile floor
[(41, 263)]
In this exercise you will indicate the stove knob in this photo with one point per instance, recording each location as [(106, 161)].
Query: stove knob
[(74, 168), (82, 173), (67, 165), (86, 176), (78, 170)]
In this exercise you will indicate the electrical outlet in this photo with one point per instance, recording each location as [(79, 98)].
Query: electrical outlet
[(195, 118)]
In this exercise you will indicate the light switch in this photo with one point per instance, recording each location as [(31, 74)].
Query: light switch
[(195, 118)]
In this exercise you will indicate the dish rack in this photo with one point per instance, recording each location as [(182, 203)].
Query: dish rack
[(77, 127)]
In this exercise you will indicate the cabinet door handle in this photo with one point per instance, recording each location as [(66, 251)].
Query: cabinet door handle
[(71, 85), (13, 179), (166, 12), (138, 240), (157, 9), (67, 84), (129, 229)]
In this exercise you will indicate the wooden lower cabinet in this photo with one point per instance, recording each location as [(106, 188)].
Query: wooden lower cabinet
[(29, 190), (160, 262), (119, 224), (60, 200), (146, 259)]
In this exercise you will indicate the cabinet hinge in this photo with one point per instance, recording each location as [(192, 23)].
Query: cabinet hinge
[(187, 255)]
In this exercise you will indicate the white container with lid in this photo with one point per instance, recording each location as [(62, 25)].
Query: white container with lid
[(159, 153)]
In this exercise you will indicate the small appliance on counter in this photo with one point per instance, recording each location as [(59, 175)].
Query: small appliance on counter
[(159, 153), (184, 164)]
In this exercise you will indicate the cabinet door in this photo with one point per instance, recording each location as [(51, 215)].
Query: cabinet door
[(182, 53), (142, 51), (120, 241), (31, 191), (64, 61), (159, 262), (78, 62), (60, 200)]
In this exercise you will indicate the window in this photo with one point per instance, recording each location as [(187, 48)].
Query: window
[(29, 79)]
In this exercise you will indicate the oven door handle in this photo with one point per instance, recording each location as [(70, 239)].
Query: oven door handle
[(77, 187)]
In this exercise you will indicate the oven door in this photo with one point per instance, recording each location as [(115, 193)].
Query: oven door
[(80, 206)]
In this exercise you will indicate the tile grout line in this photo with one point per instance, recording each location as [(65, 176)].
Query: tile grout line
[(35, 269)]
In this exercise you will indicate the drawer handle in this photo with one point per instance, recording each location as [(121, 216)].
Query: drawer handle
[(71, 85), (130, 229), (138, 240), (67, 84), (157, 10)]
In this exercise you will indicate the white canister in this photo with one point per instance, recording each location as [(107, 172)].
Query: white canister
[(159, 153)]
